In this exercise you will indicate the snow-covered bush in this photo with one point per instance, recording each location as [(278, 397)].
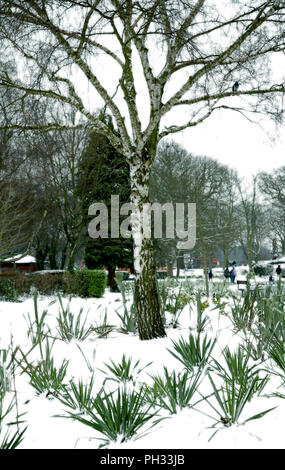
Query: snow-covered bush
[(84, 283), (263, 269), (13, 285), (47, 283)]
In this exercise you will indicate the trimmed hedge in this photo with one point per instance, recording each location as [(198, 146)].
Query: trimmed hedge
[(85, 283), (47, 284), (91, 283), (14, 285)]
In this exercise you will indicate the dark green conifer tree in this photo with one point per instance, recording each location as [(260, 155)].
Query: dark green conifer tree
[(103, 172)]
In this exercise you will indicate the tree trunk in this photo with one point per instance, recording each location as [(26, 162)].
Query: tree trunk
[(250, 253), (170, 260), (146, 299), (169, 268), (71, 261), (63, 257), (283, 246), (178, 265), (204, 256), (41, 254), (111, 280), (53, 256), (211, 262), (226, 256)]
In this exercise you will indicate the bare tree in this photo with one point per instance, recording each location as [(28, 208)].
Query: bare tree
[(272, 186), (178, 176), (253, 223), (16, 213), (166, 55), (55, 163)]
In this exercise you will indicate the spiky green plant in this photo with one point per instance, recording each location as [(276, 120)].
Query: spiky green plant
[(175, 305), (124, 371), (118, 415), (37, 328), (101, 327), (277, 355), (238, 315), (72, 326), (77, 396), (5, 372), (44, 376), (173, 392), (128, 319), (128, 316), (244, 311), (10, 438), (270, 326), (230, 401), (202, 320), (194, 352), (237, 369), (269, 322), (163, 291)]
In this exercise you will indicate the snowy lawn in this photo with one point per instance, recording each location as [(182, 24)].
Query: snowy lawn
[(185, 422)]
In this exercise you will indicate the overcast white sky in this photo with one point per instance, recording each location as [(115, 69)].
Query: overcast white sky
[(234, 141)]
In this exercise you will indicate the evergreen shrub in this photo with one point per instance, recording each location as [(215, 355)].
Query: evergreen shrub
[(90, 283), (263, 269)]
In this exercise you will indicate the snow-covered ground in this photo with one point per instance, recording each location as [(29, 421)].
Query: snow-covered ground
[(188, 429)]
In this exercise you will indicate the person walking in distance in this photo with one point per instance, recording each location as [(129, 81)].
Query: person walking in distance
[(227, 274), (278, 271), (233, 274)]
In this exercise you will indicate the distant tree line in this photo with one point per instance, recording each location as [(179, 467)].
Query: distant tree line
[(60, 174)]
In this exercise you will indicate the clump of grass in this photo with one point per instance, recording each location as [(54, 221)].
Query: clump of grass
[(128, 316), (10, 438), (194, 352), (125, 371), (237, 369), (118, 415), (37, 328), (172, 391), (176, 303), (245, 310), (277, 355), (72, 326), (129, 324), (5, 372), (230, 401), (44, 376), (77, 396), (202, 321), (102, 327)]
